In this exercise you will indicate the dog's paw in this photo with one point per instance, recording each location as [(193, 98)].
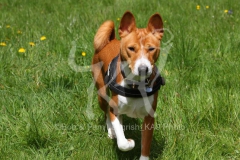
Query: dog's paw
[(111, 133), (126, 145)]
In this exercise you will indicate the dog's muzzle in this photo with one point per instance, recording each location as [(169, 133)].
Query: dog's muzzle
[(142, 70)]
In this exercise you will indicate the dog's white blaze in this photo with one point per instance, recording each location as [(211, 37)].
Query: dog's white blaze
[(142, 61), (135, 107)]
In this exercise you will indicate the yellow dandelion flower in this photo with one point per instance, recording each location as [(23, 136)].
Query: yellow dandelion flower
[(3, 44), (83, 54), (1, 86), (207, 7), (225, 11), (166, 73), (118, 19), (43, 38), (198, 7), (8, 26), (31, 44), (21, 50), (19, 32)]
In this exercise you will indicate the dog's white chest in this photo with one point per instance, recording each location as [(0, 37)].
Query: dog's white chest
[(135, 107)]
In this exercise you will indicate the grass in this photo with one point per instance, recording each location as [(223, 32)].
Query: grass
[(45, 104)]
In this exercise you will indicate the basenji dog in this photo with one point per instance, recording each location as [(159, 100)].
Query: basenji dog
[(127, 78)]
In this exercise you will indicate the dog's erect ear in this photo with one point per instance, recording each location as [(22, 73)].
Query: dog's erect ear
[(127, 24), (155, 25)]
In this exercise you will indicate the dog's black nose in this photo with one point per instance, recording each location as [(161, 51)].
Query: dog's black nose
[(142, 70)]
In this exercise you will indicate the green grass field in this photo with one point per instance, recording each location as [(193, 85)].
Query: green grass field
[(48, 109)]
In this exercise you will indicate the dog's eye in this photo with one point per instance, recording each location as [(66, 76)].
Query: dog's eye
[(151, 49), (131, 49)]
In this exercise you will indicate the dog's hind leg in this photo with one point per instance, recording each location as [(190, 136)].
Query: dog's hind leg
[(103, 103), (111, 132)]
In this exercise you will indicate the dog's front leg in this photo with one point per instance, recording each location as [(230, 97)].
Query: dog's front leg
[(147, 134), (123, 143)]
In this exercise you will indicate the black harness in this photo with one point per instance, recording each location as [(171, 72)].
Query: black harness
[(136, 89)]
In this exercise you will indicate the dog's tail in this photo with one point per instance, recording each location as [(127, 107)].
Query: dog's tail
[(104, 35)]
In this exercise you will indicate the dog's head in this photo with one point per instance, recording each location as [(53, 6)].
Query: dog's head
[(140, 48)]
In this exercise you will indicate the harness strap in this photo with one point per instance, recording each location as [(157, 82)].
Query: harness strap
[(141, 91)]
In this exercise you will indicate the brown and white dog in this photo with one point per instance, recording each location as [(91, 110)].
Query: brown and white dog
[(138, 51)]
